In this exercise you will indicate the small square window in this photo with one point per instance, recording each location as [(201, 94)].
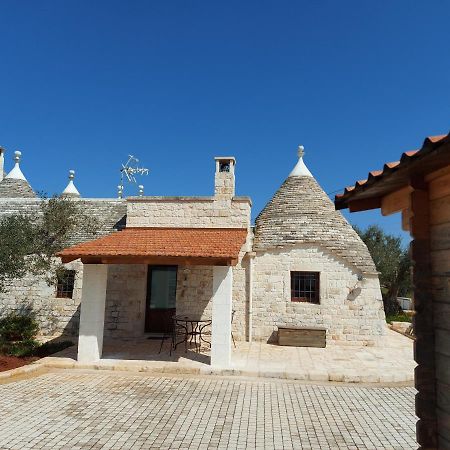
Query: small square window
[(305, 287), (66, 283), (224, 166)]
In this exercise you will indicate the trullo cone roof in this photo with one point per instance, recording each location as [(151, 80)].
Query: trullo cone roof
[(301, 213)]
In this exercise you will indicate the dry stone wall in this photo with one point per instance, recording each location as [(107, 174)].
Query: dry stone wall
[(350, 318), (57, 315)]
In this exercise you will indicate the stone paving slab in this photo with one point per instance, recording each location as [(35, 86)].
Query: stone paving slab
[(390, 363), (100, 410)]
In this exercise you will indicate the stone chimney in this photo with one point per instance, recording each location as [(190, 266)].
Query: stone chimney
[(2, 162), (224, 184)]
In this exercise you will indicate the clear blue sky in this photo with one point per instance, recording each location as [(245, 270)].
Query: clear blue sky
[(85, 83)]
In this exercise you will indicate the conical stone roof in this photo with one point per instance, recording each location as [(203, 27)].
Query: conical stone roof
[(15, 185), (301, 213), (15, 188)]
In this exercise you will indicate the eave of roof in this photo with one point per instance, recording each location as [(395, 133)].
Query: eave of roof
[(434, 154), (199, 246)]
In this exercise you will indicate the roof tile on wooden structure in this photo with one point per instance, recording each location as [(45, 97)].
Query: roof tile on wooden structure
[(397, 174)]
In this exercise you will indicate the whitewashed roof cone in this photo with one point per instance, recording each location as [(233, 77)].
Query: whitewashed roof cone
[(71, 190), (15, 185), (16, 173), (300, 169), (300, 213)]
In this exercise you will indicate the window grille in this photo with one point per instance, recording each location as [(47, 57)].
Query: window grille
[(66, 283), (305, 287)]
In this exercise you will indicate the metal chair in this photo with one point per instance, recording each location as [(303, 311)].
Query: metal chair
[(232, 318), (175, 330)]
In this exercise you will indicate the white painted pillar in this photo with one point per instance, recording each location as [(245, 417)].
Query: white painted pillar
[(92, 318), (221, 316)]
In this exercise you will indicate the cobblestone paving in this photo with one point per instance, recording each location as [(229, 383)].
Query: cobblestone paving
[(69, 410)]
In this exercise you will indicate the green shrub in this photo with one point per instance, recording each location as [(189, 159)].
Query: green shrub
[(18, 327), (21, 349), (401, 317)]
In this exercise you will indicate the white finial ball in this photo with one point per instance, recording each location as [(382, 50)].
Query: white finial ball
[(141, 189), (17, 155), (301, 151), (71, 174)]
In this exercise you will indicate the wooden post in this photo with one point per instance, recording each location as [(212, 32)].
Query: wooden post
[(425, 375)]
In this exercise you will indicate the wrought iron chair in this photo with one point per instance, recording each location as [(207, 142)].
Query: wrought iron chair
[(175, 330), (232, 318)]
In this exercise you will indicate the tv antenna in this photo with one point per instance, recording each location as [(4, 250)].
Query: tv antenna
[(129, 171)]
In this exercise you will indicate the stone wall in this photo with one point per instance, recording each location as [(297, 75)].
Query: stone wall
[(55, 315), (127, 292), (188, 212), (350, 318), (125, 300)]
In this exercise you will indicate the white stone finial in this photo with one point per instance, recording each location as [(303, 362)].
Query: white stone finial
[(141, 190), (71, 190), (300, 169), (16, 173), (119, 191)]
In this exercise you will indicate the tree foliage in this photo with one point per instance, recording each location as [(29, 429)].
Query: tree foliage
[(392, 260), (29, 242)]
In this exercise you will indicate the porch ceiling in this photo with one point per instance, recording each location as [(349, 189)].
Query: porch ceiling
[(178, 246)]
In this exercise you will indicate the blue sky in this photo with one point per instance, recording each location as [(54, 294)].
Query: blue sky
[(85, 83)]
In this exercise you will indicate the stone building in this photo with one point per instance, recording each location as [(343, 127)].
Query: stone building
[(301, 264)]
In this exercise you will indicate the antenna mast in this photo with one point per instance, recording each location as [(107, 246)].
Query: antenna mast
[(129, 170)]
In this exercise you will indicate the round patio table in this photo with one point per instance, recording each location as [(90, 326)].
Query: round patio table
[(193, 328)]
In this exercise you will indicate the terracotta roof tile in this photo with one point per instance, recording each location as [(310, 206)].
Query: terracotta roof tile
[(165, 242), (376, 175)]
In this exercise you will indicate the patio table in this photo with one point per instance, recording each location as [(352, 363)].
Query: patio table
[(194, 330)]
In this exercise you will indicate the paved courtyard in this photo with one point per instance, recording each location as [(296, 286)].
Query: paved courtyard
[(102, 410), (391, 361)]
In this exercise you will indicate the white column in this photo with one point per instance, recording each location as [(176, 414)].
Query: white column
[(92, 318), (221, 316)]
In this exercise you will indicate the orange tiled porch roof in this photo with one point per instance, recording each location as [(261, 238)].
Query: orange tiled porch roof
[(202, 246), (365, 194)]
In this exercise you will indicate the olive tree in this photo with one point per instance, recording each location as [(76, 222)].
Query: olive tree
[(392, 261), (29, 241)]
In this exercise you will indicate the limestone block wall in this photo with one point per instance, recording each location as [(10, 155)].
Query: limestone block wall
[(188, 212), (55, 315), (194, 290), (127, 292), (350, 318), (125, 300)]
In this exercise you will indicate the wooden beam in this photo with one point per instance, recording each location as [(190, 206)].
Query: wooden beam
[(396, 201), (406, 216), (364, 204), (160, 260)]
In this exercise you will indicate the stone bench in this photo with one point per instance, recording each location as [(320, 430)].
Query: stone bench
[(302, 336)]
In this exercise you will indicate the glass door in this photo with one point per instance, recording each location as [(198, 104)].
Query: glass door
[(161, 298)]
